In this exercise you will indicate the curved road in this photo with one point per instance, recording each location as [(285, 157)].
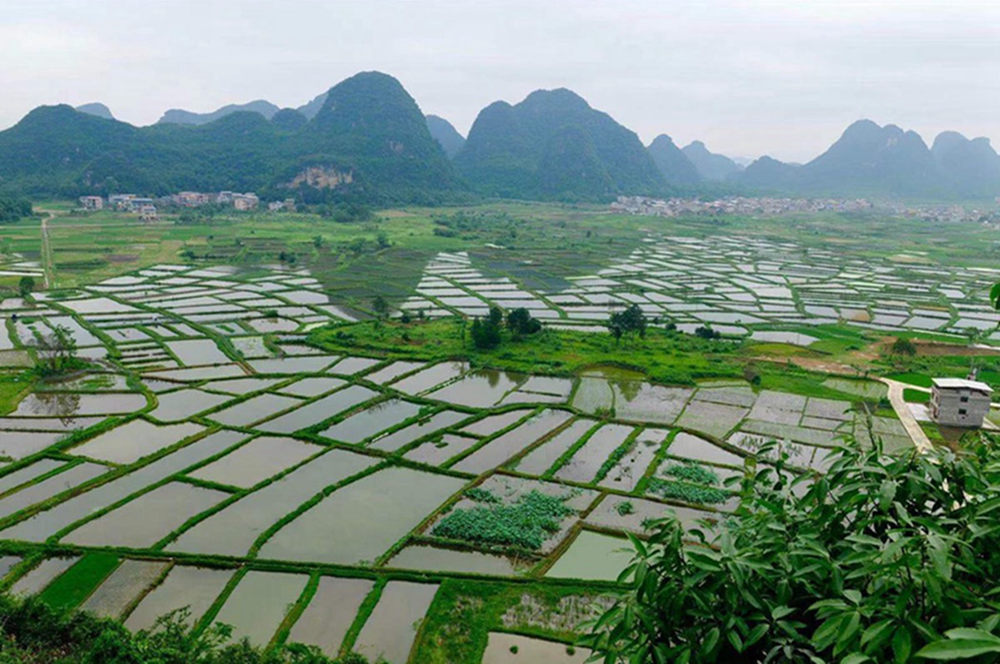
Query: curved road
[(905, 415)]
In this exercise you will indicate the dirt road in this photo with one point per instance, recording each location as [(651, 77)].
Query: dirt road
[(917, 435)]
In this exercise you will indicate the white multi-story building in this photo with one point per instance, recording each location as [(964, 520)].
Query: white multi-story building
[(960, 402)]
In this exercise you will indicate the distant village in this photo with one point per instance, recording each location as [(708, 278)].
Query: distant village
[(752, 206), (147, 208)]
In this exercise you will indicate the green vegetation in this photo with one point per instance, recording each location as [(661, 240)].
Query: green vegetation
[(879, 559), (690, 482), (525, 524), (36, 633), (12, 209), (344, 152), (631, 321), (76, 584), (554, 146)]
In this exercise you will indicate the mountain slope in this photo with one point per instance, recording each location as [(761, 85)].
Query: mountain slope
[(446, 135), (369, 141), (672, 162), (553, 145), (97, 109), (971, 167), (180, 116), (371, 130), (711, 166)]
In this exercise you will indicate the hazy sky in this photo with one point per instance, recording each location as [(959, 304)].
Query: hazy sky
[(779, 77)]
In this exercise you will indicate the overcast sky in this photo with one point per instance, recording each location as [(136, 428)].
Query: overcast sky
[(778, 77)]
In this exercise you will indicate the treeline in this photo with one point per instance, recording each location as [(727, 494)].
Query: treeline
[(12, 208), (32, 632)]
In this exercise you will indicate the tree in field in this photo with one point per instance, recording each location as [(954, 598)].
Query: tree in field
[(380, 306), (485, 333), (903, 347), (25, 286), (56, 353), (520, 322), (882, 559), (630, 321)]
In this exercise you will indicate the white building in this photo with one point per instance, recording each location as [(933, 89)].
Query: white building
[(959, 402), (92, 202)]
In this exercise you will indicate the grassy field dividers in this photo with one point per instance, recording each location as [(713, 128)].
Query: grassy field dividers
[(302, 508), (616, 456), (364, 612), (285, 628), (573, 449), (485, 440)]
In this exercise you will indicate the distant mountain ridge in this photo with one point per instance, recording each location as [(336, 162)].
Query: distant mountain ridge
[(369, 140), (675, 166), (97, 109), (553, 145), (367, 137), (446, 135), (710, 166), (873, 160)]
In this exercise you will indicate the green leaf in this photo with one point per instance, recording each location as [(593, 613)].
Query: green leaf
[(876, 634), (856, 658), (995, 296), (902, 644), (952, 649)]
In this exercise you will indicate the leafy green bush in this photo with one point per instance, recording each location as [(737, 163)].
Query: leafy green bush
[(526, 523), (882, 559), (33, 632)]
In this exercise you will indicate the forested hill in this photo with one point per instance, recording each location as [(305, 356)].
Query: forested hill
[(369, 140), (553, 145)]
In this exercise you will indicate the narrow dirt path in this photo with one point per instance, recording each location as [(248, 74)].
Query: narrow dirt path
[(47, 266), (905, 415)]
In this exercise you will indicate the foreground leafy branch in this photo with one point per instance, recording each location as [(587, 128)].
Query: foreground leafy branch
[(883, 559)]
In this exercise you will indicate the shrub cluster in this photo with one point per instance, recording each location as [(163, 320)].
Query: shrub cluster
[(526, 523)]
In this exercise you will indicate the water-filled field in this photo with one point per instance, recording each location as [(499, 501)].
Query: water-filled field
[(348, 501)]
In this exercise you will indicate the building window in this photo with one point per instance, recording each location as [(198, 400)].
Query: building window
[(964, 399), (962, 411)]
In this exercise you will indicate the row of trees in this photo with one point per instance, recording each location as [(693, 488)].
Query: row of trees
[(486, 333)]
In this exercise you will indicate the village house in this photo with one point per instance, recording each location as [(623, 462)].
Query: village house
[(960, 402), (244, 202), (92, 202)]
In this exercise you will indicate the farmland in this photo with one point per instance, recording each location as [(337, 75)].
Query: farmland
[(249, 442)]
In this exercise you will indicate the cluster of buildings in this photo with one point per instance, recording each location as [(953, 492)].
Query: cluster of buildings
[(146, 208), (677, 207)]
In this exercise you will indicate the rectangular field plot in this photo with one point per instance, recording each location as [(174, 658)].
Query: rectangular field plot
[(426, 427), (438, 559), (313, 387), (233, 530), (319, 410), (495, 452), (430, 377), (49, 487), (542, 458), (629, 470), (686, 446), (646, 402), (325, 622), (366, 423), (593, 556), (194, 352), (73, 404), (28, 473), (180, 405), (130, 442), (20, 444), (493, 423), (584, 464), (254, 409), (715, 419), (632, 514), (123, 587), (44, 524), (478, 389), (259, 603), (193, 587), (437, 451), (146, 520), (37, 579), (391, 628), (503, 648), (377, 510), (256, 461)]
